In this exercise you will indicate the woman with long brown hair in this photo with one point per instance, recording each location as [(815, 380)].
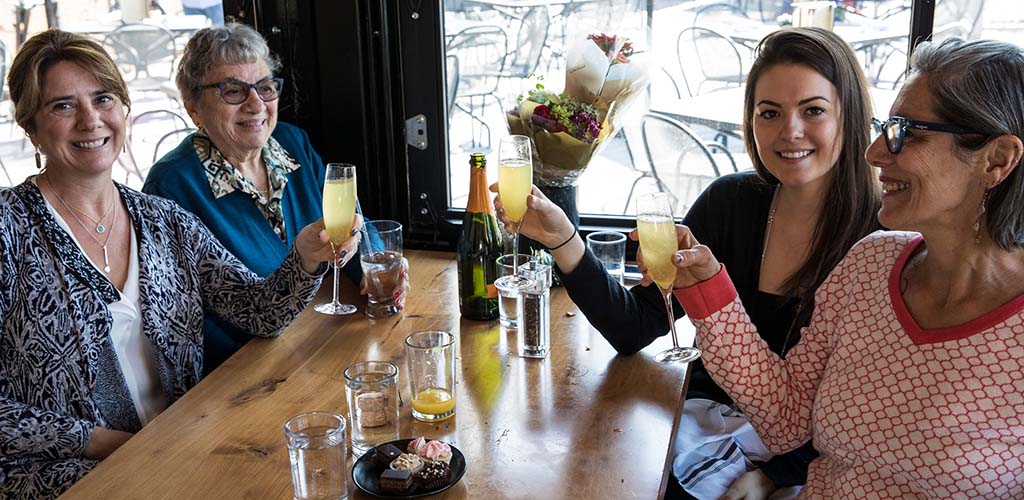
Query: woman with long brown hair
[(780, 230)]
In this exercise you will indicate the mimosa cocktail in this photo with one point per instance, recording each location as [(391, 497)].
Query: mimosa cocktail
[(339, 206), (659, 243), (339, 209), (515, 181)]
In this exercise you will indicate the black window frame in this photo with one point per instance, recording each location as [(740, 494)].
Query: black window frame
[(384, 61)]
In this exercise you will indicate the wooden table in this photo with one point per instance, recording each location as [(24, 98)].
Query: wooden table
[(584, 423)]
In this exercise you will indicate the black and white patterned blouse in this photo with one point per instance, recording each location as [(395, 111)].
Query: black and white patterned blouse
[(59, 376)]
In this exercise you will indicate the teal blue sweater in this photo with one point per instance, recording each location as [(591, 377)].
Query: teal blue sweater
[(239, 225)]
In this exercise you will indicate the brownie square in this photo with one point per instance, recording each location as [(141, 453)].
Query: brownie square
[(395, 481), (385, 454)]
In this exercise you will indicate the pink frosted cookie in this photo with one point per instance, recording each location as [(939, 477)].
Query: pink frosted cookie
[(434, 451)]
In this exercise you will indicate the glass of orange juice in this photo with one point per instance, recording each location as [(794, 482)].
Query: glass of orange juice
[(431, 359)]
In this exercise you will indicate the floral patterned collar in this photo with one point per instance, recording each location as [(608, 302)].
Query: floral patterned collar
[(225, 179)]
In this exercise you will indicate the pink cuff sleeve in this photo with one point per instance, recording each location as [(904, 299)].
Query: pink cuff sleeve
[(709, 296)]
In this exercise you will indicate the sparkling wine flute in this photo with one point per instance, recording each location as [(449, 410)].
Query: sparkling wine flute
[(339, 215), (515, 181), (658, 243)]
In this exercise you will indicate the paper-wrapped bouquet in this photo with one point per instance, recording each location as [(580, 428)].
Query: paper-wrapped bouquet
[(603, 78)]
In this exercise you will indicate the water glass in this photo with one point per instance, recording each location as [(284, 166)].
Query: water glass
[(508, 296), (534, 328), (431, 358), (316, 449), (371, 388), (610, 248), (380, 253)]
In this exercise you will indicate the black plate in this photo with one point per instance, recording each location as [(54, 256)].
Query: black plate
[(365, 473)]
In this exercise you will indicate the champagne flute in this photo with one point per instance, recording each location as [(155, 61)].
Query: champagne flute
[(339, 215), (515, 180), (658, 242)]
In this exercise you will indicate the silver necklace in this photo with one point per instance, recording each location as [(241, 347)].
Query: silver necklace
[(768, 226), (102, 244), (100, 228)]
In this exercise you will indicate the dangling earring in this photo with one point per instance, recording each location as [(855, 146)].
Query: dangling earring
[(977, 220), (39, 161)]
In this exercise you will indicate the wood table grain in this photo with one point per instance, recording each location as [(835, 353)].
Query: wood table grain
[(583, 423)]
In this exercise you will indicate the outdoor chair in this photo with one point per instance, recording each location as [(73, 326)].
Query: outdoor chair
[(717, 13), (678, 161), (531, 39), (451, 82), (482, 54), (146, 56), (153, 127), (705, 55)]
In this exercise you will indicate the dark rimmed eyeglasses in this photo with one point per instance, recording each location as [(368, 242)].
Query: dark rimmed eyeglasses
[(237, 91), (895, 129)]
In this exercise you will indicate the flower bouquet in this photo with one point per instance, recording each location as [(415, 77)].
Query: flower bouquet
[(603, 78)]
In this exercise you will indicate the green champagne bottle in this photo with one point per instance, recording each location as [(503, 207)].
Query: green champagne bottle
[(479, 247)]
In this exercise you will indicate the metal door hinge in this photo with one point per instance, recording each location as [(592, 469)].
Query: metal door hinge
[(416, 132)]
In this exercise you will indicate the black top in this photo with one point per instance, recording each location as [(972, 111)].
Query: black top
[(729, 217)]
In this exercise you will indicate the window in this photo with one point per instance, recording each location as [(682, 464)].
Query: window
[(144, 37), (715, 42)]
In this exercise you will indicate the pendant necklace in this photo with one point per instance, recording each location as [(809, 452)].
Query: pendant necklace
[(99, 227)]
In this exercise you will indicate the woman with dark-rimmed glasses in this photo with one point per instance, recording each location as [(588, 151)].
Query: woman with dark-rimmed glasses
[(254, 181), (909, 374)]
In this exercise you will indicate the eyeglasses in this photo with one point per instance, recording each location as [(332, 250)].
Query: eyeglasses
[(895, 128), (237, 92)]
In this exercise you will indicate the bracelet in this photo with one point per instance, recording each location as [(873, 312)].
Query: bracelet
[(574, 231)]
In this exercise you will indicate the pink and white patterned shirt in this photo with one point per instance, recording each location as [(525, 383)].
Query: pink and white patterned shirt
[(896, 411)]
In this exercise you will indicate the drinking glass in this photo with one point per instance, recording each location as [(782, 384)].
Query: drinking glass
[(316, 450), (515, 180), (508, 298), (658, 243), (339, 215), (371, 388), (610, 248), (431, 358), (380, 254)]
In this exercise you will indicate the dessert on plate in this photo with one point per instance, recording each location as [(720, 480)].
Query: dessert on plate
[(434, 475), (408, 462), (396, 481)]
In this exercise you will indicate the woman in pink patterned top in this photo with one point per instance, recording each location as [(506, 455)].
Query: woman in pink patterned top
[(909, 375)]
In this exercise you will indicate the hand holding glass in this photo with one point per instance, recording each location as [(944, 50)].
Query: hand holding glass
[(659, 243), (380, 253), (339, 215), (515, 181)]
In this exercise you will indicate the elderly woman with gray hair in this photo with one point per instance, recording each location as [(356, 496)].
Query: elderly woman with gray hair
[(909, 374), (254, 181)]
